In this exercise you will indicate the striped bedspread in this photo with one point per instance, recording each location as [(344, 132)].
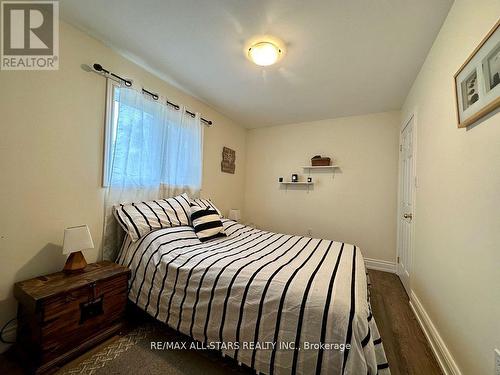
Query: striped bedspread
[(280, 304)]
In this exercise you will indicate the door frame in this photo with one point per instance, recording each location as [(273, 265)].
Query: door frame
[(412, 116)]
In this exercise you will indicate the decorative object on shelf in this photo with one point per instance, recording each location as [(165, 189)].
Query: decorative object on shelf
[(309, 179), (477, 82), (295, 177), (318, 160), (234, 214), (280, 179), (76, 239), (228, 164)]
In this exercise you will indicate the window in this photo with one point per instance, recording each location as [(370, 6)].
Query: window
[(149, 144)]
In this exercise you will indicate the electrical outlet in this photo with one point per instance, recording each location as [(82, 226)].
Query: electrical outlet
[(497, 362)]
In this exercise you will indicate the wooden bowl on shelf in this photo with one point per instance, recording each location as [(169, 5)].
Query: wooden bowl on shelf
[(320, 162)]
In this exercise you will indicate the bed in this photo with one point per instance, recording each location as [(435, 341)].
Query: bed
[(277, 303)]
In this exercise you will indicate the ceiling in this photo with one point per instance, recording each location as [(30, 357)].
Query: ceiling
[(342, 57)]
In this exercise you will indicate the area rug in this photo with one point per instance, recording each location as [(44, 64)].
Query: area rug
[(132, 353)]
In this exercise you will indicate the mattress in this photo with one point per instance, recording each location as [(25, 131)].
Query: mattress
[(278, 303)]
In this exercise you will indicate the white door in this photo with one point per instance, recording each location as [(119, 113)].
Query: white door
[(406, 204)]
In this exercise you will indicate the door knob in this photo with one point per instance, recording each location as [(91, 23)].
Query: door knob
[(408, 216)]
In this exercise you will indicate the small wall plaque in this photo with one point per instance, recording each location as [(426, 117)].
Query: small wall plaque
[(228, 164)]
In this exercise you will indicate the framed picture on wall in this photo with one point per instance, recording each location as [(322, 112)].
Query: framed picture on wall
[(477, 82)]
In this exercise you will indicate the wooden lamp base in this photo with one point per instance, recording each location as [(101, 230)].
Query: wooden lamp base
[(75, 263)]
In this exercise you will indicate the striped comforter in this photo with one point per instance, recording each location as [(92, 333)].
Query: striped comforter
[(280, 304)]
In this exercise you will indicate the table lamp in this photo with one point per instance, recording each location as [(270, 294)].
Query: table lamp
[(234, 214), (76, 239)]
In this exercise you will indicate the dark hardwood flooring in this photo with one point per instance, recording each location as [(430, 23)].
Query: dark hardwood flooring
[(406, 347), (407, 350)]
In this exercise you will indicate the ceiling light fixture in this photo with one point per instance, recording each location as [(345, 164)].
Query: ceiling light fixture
[(264, 53)]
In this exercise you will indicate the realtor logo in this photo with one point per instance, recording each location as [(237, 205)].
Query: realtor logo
[(30, 35)]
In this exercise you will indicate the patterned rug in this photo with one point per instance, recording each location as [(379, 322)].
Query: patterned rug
[(132, 353), (109, 352)]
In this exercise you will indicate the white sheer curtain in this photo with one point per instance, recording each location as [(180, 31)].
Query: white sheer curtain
[(157, 153)]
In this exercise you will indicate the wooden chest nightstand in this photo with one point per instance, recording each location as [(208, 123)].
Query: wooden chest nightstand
[(62, 315)]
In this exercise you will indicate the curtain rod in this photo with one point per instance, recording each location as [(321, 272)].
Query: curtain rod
[(128, 83)]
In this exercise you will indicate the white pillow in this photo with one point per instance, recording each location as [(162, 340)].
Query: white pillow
[(140, 218)]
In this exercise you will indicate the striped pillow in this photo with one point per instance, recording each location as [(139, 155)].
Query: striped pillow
[(205, 203), (206, 223), (138, 219)]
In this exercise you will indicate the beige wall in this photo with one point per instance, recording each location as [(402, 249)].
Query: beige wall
[(456, 271), (357, 204), (51, 147)]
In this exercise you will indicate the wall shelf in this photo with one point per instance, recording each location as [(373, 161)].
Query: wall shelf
[(302, 185), (320, 167), (296, 183), (309, 168)]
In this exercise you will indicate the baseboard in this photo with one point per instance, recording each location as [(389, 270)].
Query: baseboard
[(10, 335), (380, 265), (443, 355)]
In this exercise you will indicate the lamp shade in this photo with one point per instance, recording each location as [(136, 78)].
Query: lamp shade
[(234, 214), (77, 239)]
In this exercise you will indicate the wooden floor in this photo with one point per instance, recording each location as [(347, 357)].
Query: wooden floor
[(406, 347)]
